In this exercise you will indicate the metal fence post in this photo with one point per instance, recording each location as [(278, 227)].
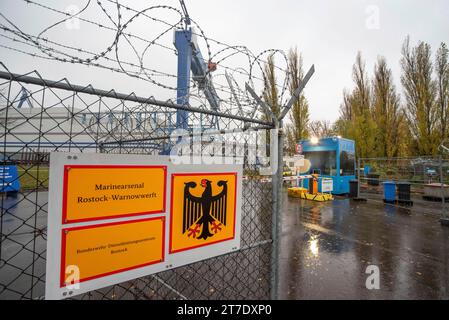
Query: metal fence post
[(444, 216), (277, 180), (358, 177)]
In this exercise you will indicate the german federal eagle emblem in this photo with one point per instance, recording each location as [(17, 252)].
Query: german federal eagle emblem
[(202, 209), (204, 216)]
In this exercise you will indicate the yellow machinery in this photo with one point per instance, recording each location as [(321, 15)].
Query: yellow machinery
[(311, 193)]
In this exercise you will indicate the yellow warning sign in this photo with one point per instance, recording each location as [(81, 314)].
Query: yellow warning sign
[(203, 208), (101, 192), (100, 250)]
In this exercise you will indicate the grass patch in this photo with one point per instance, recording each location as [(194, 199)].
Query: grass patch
[(33, 177)]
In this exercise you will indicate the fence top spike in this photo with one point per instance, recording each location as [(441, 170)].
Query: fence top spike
[(65, 80), (4, 66), (32, 72), (89, 89), (89, 86)]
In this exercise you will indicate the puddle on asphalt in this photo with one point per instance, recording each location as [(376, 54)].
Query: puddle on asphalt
[(326, 249)]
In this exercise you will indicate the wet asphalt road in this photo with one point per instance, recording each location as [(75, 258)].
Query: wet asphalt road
[(326, 247), (23, 229), (325, 250)]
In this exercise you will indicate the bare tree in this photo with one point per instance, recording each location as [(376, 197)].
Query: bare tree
[(420, 94), (271, 92), (321, 128), (362, 92), (362, 124), (442, 83), (291, 139), (386, 109), (356, 117), (299, 114), (346, 107)]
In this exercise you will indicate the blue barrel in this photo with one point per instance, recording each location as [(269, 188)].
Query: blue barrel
[(366, 170), (389, 191)]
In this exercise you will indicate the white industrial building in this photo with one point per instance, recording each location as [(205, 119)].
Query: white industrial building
[(55, 129)]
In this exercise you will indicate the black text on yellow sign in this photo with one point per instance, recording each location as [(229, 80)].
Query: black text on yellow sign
[(106, 192), (102, 250)]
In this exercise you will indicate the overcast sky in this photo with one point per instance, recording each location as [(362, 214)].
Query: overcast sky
[(328, 34)]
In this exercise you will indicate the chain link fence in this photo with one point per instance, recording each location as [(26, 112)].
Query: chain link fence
[(420, 182), (61, 117)]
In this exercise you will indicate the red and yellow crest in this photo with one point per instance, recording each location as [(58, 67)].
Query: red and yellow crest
[(203, 207)]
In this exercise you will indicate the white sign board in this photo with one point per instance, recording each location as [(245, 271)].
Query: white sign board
[(299, 160), (114, 218), (327, 185)]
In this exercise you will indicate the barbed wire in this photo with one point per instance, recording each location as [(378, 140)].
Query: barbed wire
[(118, 21)]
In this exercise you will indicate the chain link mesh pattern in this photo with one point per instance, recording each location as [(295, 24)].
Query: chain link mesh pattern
[(73, 120), (417, 182)]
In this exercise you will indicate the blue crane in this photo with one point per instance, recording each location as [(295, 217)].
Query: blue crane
[(190, 60)]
